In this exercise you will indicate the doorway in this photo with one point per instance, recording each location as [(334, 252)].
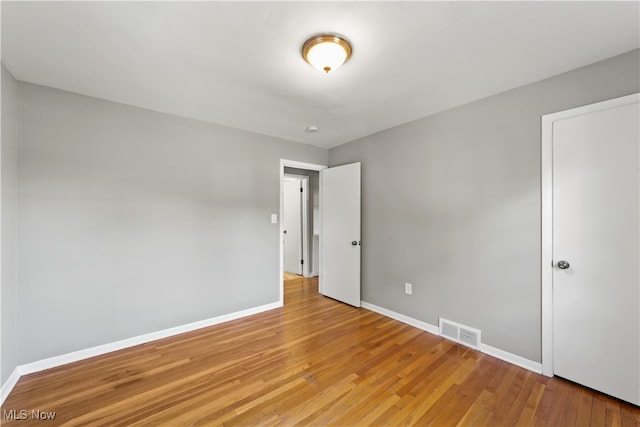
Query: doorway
[(292, 174)]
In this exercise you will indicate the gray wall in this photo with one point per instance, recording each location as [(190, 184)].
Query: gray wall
[(133, 221), (451, 204), (9, 172)]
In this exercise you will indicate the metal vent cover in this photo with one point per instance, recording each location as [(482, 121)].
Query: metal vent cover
[(460, 333), (469, 337), (449, 330)]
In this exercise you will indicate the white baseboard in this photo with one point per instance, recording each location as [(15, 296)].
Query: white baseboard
[(402, 318), (10, 384), (75, 356), (514, 359)]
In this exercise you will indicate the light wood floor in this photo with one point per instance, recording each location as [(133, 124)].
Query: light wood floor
[(313, 362), (291, 276)]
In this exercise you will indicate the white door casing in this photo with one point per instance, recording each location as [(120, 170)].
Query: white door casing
[(292, 233), (591, 219), (340, 243)]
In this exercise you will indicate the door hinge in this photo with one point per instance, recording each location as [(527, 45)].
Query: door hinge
[(301, 261), (301, 189)]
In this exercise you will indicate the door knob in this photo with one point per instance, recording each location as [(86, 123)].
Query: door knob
[(354, 243), (563, 265)]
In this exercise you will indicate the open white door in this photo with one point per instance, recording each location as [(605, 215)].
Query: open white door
[(340, 238)]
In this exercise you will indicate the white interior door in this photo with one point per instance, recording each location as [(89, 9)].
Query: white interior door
[(596, 251), (292, 233), (340, 233)]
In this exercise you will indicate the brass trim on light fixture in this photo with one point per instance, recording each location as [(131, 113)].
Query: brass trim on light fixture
[(326, 38)]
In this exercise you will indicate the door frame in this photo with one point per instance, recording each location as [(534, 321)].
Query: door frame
[(298, 165), (547, 215), (304, 220)]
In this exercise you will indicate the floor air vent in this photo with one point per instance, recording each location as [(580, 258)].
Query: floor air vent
[(460, 333)]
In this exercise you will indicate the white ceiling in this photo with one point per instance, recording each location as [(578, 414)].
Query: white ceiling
[(239, 64)]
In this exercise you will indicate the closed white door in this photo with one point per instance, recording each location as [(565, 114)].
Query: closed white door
[(340, 233), (292, 233), (596, 250)]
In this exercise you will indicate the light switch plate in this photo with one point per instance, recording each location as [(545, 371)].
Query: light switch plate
[(274, 218), (408, 288)]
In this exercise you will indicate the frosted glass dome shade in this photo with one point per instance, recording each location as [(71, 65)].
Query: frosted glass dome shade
[(326, 52)]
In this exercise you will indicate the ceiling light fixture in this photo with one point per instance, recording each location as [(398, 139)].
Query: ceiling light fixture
[(326, 52)]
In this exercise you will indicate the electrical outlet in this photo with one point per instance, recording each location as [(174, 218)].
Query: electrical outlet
[(408, 288)]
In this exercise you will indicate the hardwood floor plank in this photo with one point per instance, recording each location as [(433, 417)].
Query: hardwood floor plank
[(477, 408), (518, 405), (313, 362), (455, 410), (547, 403), (431, 391), (372, 417), (598, 410), (585, 405), (612, 414), (504, 394), (527, 415), (571, 408), (560, 403), (629, 417)]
